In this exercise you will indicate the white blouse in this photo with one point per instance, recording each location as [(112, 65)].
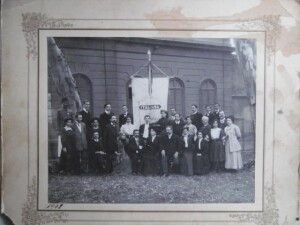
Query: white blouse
[(215, 133), (127, 129)]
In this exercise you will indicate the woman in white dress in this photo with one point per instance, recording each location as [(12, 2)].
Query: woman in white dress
[(233, 149)]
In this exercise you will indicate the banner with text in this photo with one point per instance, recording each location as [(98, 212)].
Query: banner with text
[(145, 104)]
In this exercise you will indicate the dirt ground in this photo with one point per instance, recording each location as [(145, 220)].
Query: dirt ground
[(126, 188)]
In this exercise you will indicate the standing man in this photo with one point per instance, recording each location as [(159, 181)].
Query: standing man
[(62, 115), (110, 141), (217, 111), (81, 154), (222, 121), (86, 115), (105, 117), (169, 145), (196, 117), (209, 114), (145, 128), (177, 125), (172, 113), (124, 115)]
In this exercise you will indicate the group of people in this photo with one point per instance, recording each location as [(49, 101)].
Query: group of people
[(196, 144)]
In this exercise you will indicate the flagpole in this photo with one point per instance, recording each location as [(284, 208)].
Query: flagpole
[(149, 73)]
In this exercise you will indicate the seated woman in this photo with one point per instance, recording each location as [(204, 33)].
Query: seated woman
[(68, 147), (127, 128), (233, 149), (151, 155), (217, 151), (201, 155)]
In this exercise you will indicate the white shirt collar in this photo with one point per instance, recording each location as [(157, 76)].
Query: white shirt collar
[(106, 112), (84, 109)]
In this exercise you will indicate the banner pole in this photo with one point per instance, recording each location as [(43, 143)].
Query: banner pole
[(149, 73)]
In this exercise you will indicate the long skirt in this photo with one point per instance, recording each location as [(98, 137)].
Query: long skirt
[(187, 163), (151, 164), (233, 159), (201, 164), (124, 167), (217, 152)]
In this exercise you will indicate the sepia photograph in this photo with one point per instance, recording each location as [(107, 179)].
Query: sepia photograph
[(151, 120)]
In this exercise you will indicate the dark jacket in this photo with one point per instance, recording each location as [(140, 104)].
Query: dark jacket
[(104, 120), (170, 145), (177, 128), (206, 131), (211, 117), (222, 125), (96, 146), (141, 129), (153, 147), (110, 139), (216, 115), (86, 117), (197, 120), (133, 147), (191, 144), (123, 118), (161, 124), (204, 147)]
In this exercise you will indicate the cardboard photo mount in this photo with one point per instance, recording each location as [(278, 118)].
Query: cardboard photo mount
[(24, 105)]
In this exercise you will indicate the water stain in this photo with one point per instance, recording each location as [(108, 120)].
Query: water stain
[(280, 111)]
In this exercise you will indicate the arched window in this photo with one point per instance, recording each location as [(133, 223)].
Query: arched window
[(176, 95), (208, 93), (85, 88)]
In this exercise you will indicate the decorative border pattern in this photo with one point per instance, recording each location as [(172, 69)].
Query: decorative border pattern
[(269, 24), (33, 21), (269, 216), (31, 216)]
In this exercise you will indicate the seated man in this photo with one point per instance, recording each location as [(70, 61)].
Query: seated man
[(99, 156), (135, 149), (169, 145)]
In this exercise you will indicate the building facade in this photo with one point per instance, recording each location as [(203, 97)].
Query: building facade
[(202, 71)]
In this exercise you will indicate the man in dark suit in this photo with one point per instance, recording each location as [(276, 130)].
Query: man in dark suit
[(209, 114), (135, 147), (177, 125), (169, 145), (110, 141), (145, 133), (196, 117), (98, 161), (105, 117), (86, 115), (217, 111), (124, 115), (81, 154), (222, 121)]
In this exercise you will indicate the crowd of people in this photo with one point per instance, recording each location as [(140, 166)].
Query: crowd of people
[(194, 145)]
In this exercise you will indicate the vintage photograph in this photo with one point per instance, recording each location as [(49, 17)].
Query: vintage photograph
[(151, 120)]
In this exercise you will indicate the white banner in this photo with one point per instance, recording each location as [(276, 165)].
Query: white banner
[(145, 104)]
